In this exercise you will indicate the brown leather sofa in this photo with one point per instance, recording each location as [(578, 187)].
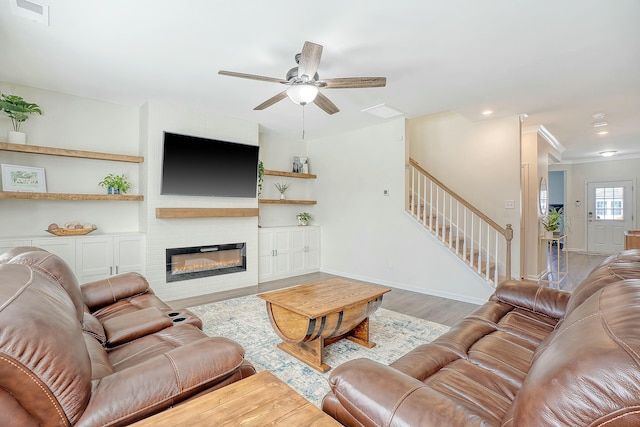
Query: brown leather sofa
[(104, 354), (530, 356)]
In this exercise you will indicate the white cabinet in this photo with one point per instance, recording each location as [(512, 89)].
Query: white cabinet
[(64, 247), (274, 253), (91, 257), (287, 251), (99, 257), (305, 249)]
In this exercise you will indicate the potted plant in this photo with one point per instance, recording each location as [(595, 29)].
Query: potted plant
[(18, 111), (552, 221), (260, 176), (282, 187), (115, 184), (304, 218)]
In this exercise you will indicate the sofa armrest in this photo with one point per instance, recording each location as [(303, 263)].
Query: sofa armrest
[(377, 395), (532, 296), (163, 381), (108, 291)]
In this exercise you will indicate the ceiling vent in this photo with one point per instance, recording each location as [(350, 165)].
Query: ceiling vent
[(383, 111), (31, 10)]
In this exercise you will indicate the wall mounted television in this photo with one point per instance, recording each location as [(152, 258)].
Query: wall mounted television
[(194, 166)]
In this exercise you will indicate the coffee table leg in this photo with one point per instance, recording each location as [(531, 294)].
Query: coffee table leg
[(309, 352), (360, 334)]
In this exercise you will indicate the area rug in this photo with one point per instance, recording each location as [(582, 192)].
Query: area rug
[(245, 321)]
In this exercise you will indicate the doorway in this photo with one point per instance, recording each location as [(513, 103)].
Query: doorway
[(610, 212)]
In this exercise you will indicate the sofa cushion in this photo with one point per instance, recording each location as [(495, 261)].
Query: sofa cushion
[(58, 270), (587, 372), (131, 326), (43, 358)]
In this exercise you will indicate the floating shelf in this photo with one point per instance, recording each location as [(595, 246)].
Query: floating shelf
[(286, 202), (205, 212), (50, 151), (290, 174), (69, 196)]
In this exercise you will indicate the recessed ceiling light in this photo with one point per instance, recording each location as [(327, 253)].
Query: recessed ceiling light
[(598, 116), (600, 124), (602, 132), (487, 112), (607, 153)]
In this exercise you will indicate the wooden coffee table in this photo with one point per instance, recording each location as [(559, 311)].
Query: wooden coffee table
[(257, 401), (308, 317)]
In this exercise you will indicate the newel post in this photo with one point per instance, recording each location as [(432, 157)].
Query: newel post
[(508, 234)]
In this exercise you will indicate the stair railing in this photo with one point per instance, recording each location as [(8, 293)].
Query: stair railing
[(469, 233)]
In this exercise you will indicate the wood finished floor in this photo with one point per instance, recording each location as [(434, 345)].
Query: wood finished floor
[(436, 309)]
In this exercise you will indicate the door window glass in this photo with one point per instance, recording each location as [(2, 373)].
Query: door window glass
[(609, 203)]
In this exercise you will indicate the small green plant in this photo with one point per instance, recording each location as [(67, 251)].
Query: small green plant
[(119, 183), (282, 186), (304, 218), (17, 109), (553, 220), (260, 176)]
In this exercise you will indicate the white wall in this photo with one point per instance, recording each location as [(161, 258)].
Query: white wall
[(480, 161), (577, 176), (156, 118), (369, 236), (75, 123)]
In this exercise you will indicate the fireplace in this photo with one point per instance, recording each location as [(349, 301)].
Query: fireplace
[(202, 261)]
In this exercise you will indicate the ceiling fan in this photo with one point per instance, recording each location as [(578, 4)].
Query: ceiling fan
[(305, 84)]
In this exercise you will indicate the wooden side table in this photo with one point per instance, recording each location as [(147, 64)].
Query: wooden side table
[(546, 268), (257, 401)]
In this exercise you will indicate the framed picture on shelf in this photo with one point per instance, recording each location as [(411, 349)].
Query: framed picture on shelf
[(23, 178)]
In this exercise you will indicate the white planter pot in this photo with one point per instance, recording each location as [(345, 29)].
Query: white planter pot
[(282, 196), (17, 137)]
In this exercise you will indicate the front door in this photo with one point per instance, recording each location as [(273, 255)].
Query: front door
[(609, 215)]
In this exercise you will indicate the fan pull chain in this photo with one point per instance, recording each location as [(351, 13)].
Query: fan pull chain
[(303, 122)]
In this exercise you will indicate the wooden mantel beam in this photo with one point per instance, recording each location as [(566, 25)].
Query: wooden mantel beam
[(205, 212)]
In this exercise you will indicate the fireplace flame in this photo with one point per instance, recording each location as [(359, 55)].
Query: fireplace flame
[(203, 265)]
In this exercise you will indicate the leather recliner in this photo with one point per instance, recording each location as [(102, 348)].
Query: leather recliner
[(62, 365), (530, 356)]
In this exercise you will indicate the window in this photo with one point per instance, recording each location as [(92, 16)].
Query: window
[(610, 203)]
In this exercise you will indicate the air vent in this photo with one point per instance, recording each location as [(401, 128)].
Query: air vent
[(383, 111), (31, 10)]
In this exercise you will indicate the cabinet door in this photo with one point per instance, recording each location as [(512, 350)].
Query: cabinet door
[(64, 247), (298, 250), (312, 252), (266, 255), (5, 245), (282, 246), (128, 254), (94, 258)]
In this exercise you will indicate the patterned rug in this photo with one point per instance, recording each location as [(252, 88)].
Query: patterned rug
[(245, 321)]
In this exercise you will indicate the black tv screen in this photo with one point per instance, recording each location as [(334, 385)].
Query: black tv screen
[(194, 166)]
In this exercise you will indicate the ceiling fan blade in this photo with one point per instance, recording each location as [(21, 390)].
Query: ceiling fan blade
[(269, 102), (353, 82), (252, 77), (309, 59), (324, 103)]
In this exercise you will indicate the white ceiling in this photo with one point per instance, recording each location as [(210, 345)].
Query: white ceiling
[(557, 61)]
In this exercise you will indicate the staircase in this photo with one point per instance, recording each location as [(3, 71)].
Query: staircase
[(471, 235)]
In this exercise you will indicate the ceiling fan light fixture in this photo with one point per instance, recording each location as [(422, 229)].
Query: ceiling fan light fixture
[(302, 93)]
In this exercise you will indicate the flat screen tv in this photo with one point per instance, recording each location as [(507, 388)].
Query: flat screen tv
[(193, 166)]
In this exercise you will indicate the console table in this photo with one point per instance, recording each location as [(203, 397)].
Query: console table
[(548, 266)]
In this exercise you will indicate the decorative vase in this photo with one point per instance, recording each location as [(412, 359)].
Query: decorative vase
[(282, 196), (302, 221), (112, 190), (548, 234), (17, 137)]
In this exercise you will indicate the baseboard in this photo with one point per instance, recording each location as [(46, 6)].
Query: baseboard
[(403, 286)]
